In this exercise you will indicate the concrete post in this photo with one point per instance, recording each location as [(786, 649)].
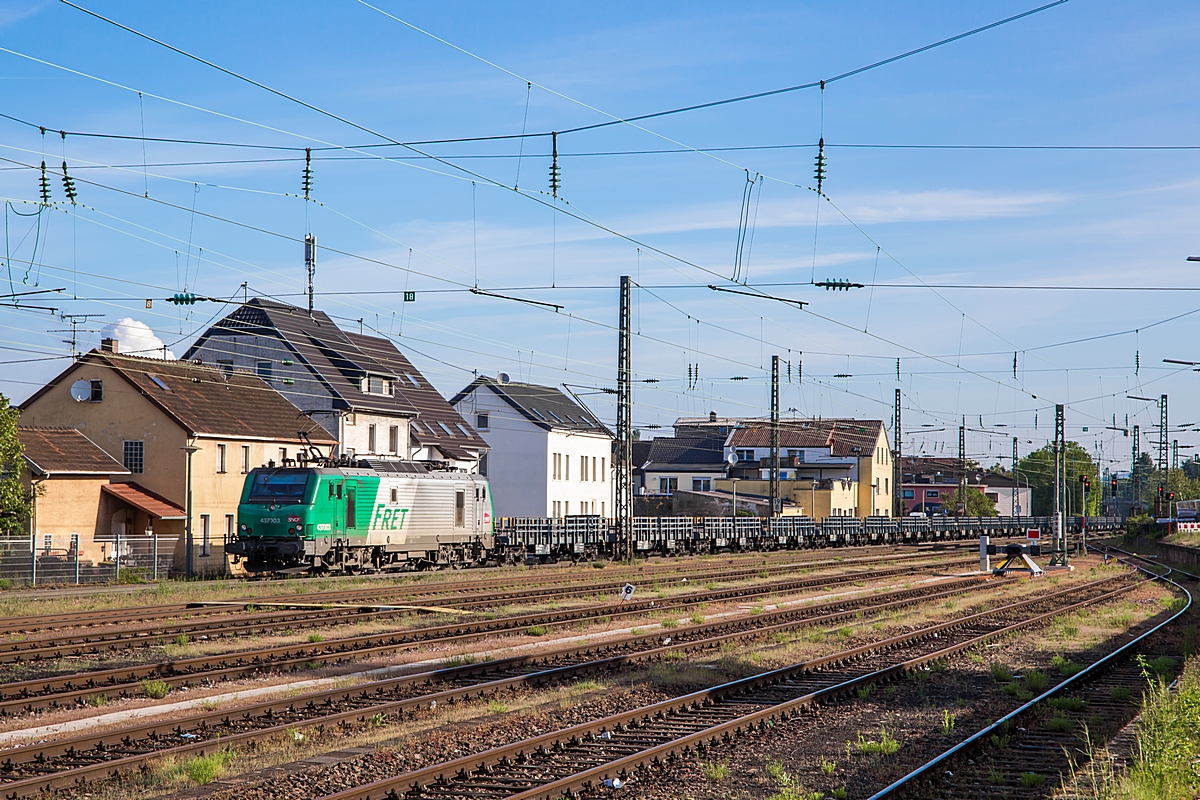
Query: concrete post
[(985, 561)]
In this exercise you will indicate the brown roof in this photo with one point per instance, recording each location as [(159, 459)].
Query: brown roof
[(433, 410), (139, 496), (844, 437), (205, 400), (59, 451)]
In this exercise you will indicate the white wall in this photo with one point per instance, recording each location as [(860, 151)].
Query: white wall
[(521, 462), (356, 436)]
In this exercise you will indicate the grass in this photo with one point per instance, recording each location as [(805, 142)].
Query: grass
[(866, 691), (1059, 723), (789, 785), (1031, 780), (948, 721), (996, 777), (696, 618), (536, 630), (1001, 673), (200, 770), (886, 745), (496, 707), (1036, 680), (828, 767), (1067, 703), (97, 700), (715, 771), (1120, 693), (1065, 666), (669, 623), (313, 638), (1000, 740), (156, 690)]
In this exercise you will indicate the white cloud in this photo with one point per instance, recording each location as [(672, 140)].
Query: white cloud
[(135, 338), (944, 204)]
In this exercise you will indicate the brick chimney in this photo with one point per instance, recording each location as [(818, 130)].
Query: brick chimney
[(109, 345)]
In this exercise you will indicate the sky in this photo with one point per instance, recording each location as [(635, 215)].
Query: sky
[(1018, 202)]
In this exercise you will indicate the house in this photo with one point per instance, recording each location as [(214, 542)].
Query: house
[(67, 474), (549, 456), (689, 463), (360, 389), (930, 483), (827, 467), (143, 411)]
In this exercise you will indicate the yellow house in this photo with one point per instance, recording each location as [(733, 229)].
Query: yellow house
[(828, 467), (144, 412)]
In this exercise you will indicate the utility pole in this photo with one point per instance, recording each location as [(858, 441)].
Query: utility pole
[(776, 504), (624, 476), (1136, 499), (1016, 480), (1163, 464), (897, 467), (962, 469), (310, 263), (1058, 555)]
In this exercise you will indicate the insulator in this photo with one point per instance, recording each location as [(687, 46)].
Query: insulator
[(819, 174), (68, 185), (555, 181), (44, 185), (306, 181), (183, 299)]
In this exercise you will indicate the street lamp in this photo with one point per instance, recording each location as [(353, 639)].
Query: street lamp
[(734, 481), (190, 449)]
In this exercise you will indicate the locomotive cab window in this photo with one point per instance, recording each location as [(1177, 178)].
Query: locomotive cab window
[(395, 495), (459, 509), (351, 511), (278, 486)]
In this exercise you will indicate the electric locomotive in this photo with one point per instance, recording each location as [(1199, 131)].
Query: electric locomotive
[(362, 516)]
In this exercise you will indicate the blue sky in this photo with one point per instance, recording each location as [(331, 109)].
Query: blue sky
[(1083, 73)]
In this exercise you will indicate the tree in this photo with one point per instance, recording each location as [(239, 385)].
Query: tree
[(975, 503), (16, 504), (1037, 469)]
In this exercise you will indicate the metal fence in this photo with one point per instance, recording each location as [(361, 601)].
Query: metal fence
[(135, 560)]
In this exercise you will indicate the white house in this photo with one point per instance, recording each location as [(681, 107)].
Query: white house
[(549, 456)]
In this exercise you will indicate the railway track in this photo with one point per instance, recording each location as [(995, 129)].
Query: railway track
[(33, 768), (414, 592), (81, 642), (606, 752), (1042, 737), (78, 688)]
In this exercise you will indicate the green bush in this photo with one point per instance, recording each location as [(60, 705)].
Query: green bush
[(156, 690)]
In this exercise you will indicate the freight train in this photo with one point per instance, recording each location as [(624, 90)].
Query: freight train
[(376, 515)]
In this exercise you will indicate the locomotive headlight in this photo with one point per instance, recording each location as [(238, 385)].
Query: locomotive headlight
[(243, 527)]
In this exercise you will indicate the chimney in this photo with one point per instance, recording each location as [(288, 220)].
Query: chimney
[(109, 345), (712, 416)]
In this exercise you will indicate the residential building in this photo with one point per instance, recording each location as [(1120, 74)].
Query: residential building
[(359, 388), (549, 456), (930, 483), (692, 463), (67, 474), (143, 411)]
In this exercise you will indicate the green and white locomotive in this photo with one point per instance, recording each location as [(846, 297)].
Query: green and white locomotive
[(362, 516)]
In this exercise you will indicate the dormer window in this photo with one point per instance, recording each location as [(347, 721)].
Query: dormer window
[(377, 384)]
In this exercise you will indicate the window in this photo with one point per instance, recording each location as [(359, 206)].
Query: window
[(567, 464), (279, 486), (263, 369), (907, 494), (394, 439), (793, 453), (371, 438), (463, 430), (393, 495), (460, 509), (745, 455), (376, 384), (282, 454), (97, 392), (245, 458), (931, 492), (668, 485), (554, 466), (555, 509), (602, 508), (229, 527), (483, 464), (225, 365), (351, 418), (351, 507), (603, 471), (205, 534), (583, 470), (411, 379), (556, 416), (593, 469), (701, 485), (538, 414), (157, 381), (134, 457), (221, 459), (442, 425), (566, 508), (800, 456), (481, 422)]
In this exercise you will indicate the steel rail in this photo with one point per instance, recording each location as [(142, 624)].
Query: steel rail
[(373, 694), (93, 641), (56, 691), (442, 774), (37, 785), (665, 573), (1091, 671)]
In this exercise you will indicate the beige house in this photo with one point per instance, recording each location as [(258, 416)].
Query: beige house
[(143, 412), (67, 474)]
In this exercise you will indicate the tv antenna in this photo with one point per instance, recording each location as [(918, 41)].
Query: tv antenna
[(74, 320)]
